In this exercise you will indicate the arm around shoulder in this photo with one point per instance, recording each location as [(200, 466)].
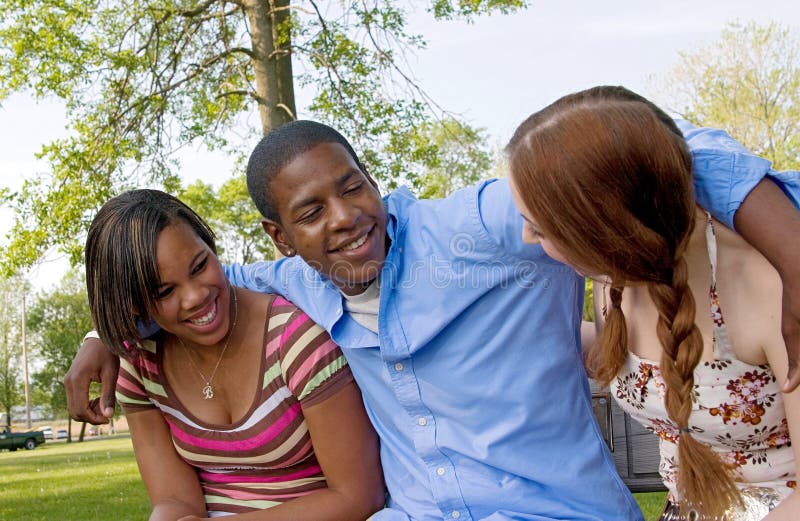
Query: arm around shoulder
[(724, 170), (94, 362), (770, 222), (264, 276)]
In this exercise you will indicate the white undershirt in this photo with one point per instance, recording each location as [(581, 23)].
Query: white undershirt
[(363, 308)]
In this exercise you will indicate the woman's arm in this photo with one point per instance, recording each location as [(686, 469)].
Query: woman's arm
[(346, 447), (778, 361), (171, 483)]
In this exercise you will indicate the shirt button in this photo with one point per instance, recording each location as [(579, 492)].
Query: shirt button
[(456, 514), (440, 471), (398, 366), (422, 422)]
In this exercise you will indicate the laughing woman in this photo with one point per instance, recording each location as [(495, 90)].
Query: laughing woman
[(239, 404), (603, 180)]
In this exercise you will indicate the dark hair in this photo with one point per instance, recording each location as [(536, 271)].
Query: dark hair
[(121, 264), (607, 176), (279, 148)]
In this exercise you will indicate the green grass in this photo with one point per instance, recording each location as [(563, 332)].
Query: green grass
[(651, 504), (98, 480), (94, 480)]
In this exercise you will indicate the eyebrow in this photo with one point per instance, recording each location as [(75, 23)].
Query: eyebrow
[(191, 264), (343, 179)]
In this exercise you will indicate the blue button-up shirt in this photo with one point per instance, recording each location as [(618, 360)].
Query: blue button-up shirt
[(475, 382)]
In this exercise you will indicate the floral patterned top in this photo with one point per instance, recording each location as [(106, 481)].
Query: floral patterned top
[(737, 409)]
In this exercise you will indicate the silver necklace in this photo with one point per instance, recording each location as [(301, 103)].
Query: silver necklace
[(208, 389)]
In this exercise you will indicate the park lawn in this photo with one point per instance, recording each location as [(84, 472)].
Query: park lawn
[(651, 504), (93, 480), (98, 480)]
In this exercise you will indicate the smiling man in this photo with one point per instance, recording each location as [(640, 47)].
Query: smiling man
[(333, 214)]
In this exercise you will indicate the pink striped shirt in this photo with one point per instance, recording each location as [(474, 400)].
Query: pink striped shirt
[(265, 458)]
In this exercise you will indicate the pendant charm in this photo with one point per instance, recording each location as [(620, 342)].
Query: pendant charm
[(208, 392)]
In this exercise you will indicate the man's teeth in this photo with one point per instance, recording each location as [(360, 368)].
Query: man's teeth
[(205, 319), (355, 244)]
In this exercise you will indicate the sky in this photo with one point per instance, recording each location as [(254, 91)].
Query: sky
[(494, 72)]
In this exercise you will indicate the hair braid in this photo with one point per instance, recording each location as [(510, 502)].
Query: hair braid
[(705, 484), (607, 355)]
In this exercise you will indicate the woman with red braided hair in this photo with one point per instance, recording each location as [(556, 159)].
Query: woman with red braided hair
[(603, 179)]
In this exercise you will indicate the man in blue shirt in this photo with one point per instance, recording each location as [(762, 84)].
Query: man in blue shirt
[(464, 340)]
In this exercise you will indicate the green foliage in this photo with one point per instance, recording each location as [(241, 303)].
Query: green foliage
[(234, 218), (140, 79), (454, 155), (11, 386), (469, 8), (748, 83), (57, 321), (588, 300)]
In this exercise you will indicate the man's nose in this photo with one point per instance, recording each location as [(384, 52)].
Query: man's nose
[(343, 214)]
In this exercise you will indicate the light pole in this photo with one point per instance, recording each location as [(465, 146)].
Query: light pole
[(25, 366)]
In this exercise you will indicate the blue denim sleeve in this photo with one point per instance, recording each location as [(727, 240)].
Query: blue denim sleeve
[(724, 170), (502, 220), (259, 276)]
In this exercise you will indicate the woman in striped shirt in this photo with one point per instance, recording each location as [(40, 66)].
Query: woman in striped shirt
[(239, 403)]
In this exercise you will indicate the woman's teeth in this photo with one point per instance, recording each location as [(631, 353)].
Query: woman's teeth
[(205, 319)]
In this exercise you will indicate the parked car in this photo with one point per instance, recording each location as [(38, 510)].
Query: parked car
[(62, 434), (16, 440), (47, 431)]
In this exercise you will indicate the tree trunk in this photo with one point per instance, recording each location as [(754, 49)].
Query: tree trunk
[(272, 61)]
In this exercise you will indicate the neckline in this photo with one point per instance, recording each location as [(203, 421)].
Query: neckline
[(183, 409), (700, 364)]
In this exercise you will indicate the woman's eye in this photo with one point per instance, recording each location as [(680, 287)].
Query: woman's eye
[(164, 293), (200, 265), (534, 231)]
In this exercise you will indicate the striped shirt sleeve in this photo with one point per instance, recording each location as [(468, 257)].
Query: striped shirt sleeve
[(313, 366), (132, 384)]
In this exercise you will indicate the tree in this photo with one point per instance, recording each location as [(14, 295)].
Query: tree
[(456, 156), (143, 78), (59, 319), (11, 291), (234, 218), (748, 83)]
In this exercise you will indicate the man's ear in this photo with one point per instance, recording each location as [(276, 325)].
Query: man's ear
[(278, 235)]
